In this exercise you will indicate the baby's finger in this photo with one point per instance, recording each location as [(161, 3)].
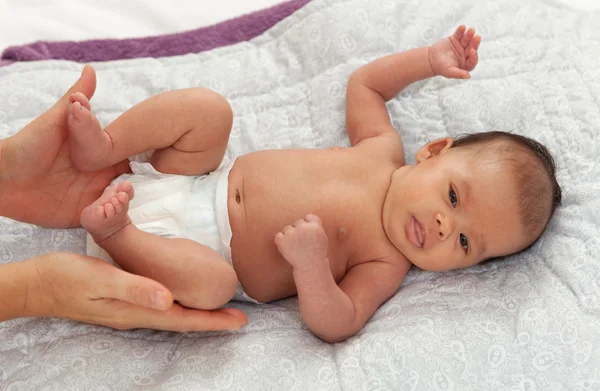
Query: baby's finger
[(472, 60), (457, 73), (475, 42), (466, 39), (298, 222), (279, 240), (312, 218), (460, 31)]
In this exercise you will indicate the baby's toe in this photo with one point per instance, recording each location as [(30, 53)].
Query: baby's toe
[(109, 210), (79, 113), (116, 203), (122, 197), (81, 98), (127, 188)]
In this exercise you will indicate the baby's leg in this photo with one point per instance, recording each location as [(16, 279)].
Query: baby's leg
[(189, 130), (197, 276)]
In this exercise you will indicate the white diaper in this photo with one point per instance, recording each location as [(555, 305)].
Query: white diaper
[(177, 206)]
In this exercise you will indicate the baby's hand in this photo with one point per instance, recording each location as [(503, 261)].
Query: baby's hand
[(455, 56), (303, 242)]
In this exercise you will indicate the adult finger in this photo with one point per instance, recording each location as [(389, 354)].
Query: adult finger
[(178, 318), (45, 126), (86, 84), (138, 290)]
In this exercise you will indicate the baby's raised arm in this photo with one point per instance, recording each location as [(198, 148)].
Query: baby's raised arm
[(377, 82)]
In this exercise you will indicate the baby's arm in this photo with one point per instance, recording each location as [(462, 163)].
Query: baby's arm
[(377, 82), (334, 312)]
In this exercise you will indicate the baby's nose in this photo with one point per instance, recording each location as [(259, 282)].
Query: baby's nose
[(445, 226)]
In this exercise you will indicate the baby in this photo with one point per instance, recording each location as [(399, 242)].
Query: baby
[(338, 227)]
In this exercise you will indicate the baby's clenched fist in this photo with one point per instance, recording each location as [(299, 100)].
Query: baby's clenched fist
[(303, 242)]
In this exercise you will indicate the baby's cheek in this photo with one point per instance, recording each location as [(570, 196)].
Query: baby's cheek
[(437, 261)]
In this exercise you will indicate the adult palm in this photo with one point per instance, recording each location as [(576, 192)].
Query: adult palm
[(38, 182)]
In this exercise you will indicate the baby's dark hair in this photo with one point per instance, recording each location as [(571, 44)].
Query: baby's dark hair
[(539, 191)]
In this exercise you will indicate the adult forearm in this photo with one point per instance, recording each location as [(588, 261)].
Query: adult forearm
[(2, 180), (15, 281), (325, 308), (391, 74)]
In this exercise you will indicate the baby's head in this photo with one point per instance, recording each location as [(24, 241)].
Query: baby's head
[(469, 199)]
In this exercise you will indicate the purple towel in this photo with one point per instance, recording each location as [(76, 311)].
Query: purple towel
[(229, 32)]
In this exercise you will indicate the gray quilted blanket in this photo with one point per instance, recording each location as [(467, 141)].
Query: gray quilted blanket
[(530, 322)]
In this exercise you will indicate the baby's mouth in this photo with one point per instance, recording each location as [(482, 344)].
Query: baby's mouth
[(415, 233)]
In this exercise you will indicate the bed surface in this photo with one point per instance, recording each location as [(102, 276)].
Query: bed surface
[(529, 322)]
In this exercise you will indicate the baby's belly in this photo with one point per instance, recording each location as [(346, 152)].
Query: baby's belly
[(256, 213), (263, 272)]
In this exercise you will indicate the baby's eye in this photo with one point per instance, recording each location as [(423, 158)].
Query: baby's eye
[(452, 196), (464, 242)]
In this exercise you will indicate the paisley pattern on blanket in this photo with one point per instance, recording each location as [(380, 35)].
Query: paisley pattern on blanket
[(528, 322)]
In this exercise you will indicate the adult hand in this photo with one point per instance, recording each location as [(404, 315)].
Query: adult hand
[(87, 289), (38, 182)]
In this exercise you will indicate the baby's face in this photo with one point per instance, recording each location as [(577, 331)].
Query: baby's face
[(453, 209)]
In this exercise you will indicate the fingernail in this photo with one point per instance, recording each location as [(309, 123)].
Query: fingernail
[(237, 328), (229, 311), (235, 314), (158, 300)]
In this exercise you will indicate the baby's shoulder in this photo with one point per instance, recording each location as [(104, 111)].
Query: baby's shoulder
[(387, 146)]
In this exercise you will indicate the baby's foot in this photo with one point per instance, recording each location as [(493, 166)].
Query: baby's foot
[(108, 214), (89, 144)]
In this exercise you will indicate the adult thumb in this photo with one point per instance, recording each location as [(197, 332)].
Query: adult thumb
[(138, 290), (86, 84)]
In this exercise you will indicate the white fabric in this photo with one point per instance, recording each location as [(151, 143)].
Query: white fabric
[(531, 321), (177, 206), (26, 21)]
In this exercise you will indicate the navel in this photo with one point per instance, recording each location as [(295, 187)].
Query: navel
[(237, 196), (342, 233)]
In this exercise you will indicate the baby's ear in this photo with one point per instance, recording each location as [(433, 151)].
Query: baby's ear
[(434, 148)]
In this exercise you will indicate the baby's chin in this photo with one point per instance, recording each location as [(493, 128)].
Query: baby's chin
[(433, 266), (429, 268), (428, 265)]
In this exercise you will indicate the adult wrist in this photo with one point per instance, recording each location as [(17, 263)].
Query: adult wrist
[(17, 284), (2, 178)]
